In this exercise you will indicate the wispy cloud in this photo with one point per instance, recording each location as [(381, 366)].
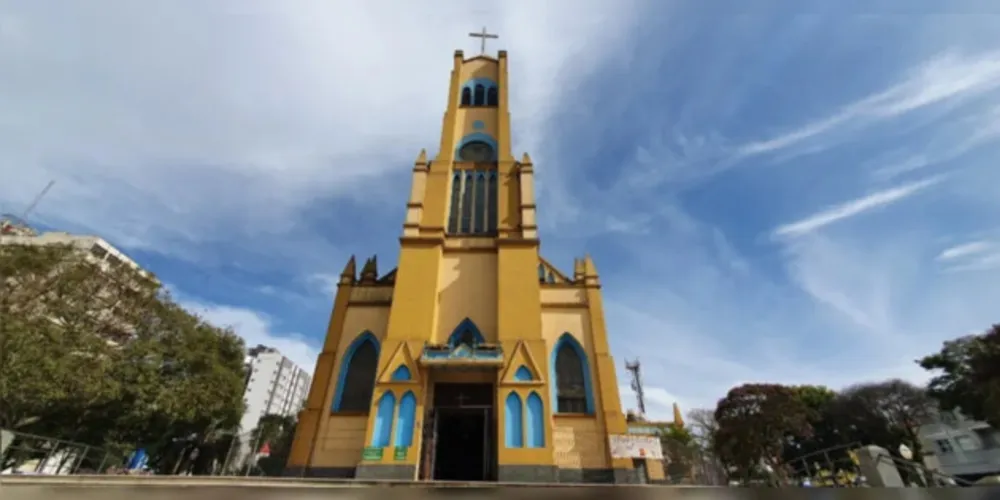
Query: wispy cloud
[(256, 328), (964, 250), (949, 77), (853, 208)]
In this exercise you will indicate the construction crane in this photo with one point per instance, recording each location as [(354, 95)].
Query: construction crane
[(34, 203)]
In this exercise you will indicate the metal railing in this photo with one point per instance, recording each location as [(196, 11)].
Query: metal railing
[(24, 453)]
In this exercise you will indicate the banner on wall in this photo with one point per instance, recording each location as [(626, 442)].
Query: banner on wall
[(635, 446)]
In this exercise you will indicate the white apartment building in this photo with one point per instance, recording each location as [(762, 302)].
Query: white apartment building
[(274, 385), (958, 446), (15, 232)]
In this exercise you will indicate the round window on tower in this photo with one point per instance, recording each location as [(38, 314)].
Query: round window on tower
[(476, 151)]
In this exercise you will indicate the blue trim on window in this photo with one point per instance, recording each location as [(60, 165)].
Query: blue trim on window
[(477, 137), (345, 364), (512, 417), (535, 421), (466, 324), (406, 419), (523, 374), (383, 420), (401, 374), (567, 338)]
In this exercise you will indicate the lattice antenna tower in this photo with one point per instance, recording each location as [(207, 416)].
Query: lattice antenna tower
[(634, 370)]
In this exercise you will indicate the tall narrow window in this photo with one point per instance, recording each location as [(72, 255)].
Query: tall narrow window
[(480, 205), (456, 202), (570, 382), (466, 97), (466, 222), (383, 420), (405, 420), (480, 97), (513, 421), (358, 377), (473, 203), (535, 421), (492, 97), (491, 206)]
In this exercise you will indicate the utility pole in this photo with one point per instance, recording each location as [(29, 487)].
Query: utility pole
[(633, 368)]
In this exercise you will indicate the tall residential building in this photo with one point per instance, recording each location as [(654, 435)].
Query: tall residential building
[(274, 385), (958, 446)]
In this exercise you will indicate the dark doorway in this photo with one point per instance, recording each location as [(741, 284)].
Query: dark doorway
[(462, 434), (462, 445)]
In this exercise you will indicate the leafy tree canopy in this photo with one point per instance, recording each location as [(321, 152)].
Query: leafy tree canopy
[(968, 376), (101, 354)]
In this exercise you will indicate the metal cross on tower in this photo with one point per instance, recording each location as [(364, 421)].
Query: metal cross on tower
[(482, 39)]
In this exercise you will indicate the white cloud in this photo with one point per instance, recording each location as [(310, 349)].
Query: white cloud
[(948, 78), (854, 207), (964, 250), (257, 328), (167, 126)]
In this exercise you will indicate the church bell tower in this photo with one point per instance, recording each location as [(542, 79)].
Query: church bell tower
[(474, 358)]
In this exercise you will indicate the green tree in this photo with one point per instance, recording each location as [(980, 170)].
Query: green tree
[(755, 421), (280, 431), (680, 450), (102, 355), (825, 444), (968, 376), (886, 414), (59, 316)]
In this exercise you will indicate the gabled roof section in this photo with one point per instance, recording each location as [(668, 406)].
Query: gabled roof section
[(549, 275), (389, 278), (483, 57)]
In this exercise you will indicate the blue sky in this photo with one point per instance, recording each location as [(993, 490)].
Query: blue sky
[(800, 192)]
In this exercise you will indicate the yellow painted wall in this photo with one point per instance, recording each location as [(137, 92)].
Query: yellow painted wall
[(342, 441), (467, 288), (342, 436), (479, 68), (580, 443), (359, 320), (441, 280), (557, 321)]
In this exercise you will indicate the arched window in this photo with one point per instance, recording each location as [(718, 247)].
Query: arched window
[(466, 333), (491, 207), (405, 420), (383, 420), (466, 97), (467, 338), (456, 202), (523, 374), (492, 97), (480, 97), (401, 374), (571, 374), (465, 222), (513, 426), (535, 421), (357, 375), (479, 218)]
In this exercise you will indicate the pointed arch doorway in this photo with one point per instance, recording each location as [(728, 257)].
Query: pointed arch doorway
[(460, 433)]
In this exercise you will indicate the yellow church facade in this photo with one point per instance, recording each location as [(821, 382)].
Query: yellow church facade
[(474, 358)]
